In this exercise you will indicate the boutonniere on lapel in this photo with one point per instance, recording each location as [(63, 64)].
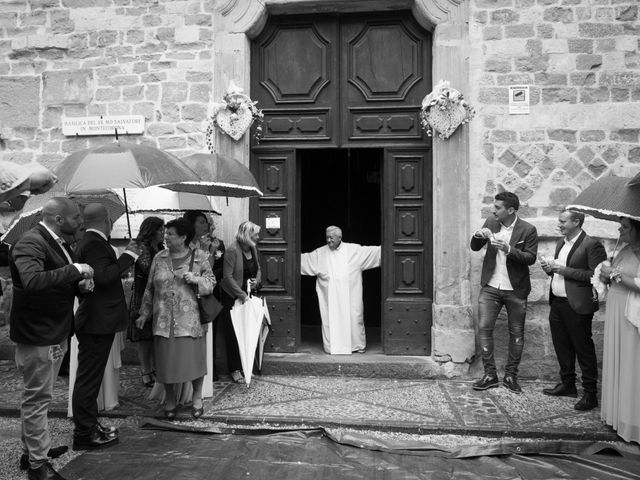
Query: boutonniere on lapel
[(235, 114), (444, 110)]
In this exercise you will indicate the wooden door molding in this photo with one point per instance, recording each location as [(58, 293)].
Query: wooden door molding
[(408, 284), (276, 213)]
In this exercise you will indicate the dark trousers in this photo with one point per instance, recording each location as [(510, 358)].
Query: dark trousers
[(231, 342), (490, 303), (571, 335), (93, 354)]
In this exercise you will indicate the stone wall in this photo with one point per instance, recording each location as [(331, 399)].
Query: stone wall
[(581, 59), (103, 57)]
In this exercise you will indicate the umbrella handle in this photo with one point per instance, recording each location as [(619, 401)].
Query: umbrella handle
[(613, 254)]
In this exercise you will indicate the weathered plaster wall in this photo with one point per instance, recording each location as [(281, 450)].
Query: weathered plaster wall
[(581, 59)]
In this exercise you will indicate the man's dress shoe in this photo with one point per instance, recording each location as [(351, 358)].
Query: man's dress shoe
[(589, 401), (54, 452), (93, 441), (561, 390), (44, 472), (107, 430)]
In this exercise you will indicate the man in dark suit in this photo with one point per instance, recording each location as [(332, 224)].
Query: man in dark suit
[(512, 245), (99, 316), (45, 282), (573, 303)]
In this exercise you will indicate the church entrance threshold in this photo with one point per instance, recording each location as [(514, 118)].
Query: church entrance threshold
[(340, 187)]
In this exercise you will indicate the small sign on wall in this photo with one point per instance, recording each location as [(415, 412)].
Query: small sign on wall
[(103, 125), (518, 99)]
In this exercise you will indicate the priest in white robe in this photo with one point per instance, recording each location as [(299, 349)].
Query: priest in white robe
[(338, 268)]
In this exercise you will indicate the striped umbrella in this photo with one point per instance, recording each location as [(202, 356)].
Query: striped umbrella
[(610, 198), (31, 213)]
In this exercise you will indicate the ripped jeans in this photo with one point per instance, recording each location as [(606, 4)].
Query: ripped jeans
[(490, 303)]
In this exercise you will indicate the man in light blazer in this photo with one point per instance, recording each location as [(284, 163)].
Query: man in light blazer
[(512, 245), (573, 302)]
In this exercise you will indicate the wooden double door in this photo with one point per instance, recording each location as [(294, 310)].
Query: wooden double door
[(329, 86)]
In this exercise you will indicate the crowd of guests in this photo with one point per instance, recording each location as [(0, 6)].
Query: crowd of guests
[(172, 266), (581, 278)]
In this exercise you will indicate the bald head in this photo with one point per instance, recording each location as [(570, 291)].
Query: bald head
[(62, 216), (96, 216)]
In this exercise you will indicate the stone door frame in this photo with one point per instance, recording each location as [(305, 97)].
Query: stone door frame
[(236, 22)]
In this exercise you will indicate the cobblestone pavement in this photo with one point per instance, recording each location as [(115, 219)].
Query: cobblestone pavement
[(410, 406)]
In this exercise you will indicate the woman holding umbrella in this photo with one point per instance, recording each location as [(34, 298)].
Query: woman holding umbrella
[(621, 357), (149, 241), (178, 337), (240, 265)]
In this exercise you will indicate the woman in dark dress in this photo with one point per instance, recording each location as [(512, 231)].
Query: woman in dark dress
[(240, 265), (149, 241)]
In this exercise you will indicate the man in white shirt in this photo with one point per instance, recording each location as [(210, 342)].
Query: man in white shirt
[(512, 245), (573, 304)]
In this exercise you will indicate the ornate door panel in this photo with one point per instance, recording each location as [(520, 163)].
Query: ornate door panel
[(294, 78), (276, 213), (385, 64), (346, 81), (407, 275)]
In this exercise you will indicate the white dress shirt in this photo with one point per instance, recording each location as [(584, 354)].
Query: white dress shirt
[(557, 282), (500, 277)]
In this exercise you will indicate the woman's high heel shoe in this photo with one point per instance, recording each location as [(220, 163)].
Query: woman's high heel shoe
[(171, 414), (148, 379)]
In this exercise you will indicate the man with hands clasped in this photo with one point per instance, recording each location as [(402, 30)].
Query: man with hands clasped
[(573, 303), (512, 245), (45, 283)]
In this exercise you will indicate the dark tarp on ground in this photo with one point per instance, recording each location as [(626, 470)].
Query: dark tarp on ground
[(156, 452)]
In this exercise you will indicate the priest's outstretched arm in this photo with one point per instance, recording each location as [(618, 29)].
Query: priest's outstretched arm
[(310, 265), (369, 257)]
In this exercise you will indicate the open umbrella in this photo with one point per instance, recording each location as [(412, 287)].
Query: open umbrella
[(219, 175), (121, 165), (610, 198), (31, 213), (247, 319), (161, 200)]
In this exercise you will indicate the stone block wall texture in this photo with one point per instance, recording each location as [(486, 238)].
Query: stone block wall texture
[(103, 57), (581, 60)]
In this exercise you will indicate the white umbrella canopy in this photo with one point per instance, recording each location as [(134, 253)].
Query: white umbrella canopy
[(247, 321), (161, 200)]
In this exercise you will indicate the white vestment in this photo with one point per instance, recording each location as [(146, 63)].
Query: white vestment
[(340, 297)]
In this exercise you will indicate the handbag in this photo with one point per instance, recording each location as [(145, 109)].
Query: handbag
[(208, 305)]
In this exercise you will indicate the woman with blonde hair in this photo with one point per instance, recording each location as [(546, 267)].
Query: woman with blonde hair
[(240, 266)]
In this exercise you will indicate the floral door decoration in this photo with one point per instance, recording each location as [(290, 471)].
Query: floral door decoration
[(444, 110), (235, 114)]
